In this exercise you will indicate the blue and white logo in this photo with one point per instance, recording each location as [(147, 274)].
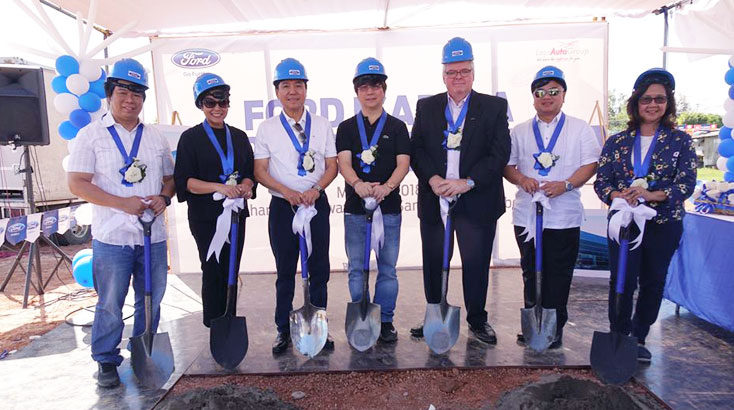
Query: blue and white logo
[(15, 228), (195, 58)]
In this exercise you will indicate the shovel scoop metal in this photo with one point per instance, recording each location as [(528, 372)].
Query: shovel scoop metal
[(538, 323), (362, 322), (151, 354), (228, 339), (309, 327), (441, 324)]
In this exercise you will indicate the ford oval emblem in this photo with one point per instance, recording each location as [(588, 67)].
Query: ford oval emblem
[(48, 221), (195, 58), (15, 228), (32, 225)]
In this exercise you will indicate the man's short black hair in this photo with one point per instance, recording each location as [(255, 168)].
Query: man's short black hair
[(370, 79), (111, 83), (277, 83)]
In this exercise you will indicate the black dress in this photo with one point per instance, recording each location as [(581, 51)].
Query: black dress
[(197, 158)]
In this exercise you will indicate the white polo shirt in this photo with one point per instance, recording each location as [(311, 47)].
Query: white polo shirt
[(577, 146), (93, 151), (272, 142)]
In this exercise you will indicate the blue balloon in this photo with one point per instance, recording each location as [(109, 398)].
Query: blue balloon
[(729, 176), (79, 118), (83, 272), (67, 130), (729, 76), (731, 92), (730, 164), (97, 87), (67, 65), (59, 84), (90, 102), (726, 148), (82, 253), (725, 133)]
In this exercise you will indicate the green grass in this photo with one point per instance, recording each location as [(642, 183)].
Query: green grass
[(710, 174)]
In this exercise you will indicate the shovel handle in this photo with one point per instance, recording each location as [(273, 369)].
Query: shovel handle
[(233, 231), (622, 260), (367, 240), (304, 256), (538, 252), (146, 252), (447, 240)]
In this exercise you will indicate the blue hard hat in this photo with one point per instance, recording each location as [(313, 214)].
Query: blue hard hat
[(205, 82), (370, 66), (289, 69), (655, 76), (129, 70), (457, 49), (549, 72)]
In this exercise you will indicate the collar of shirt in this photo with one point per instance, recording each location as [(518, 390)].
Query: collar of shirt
[(108, 120), (301, 121), (455, 106), (553, 122)]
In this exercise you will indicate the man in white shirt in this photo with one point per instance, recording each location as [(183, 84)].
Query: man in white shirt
[(295, 158), (554, 154), (122, 168)]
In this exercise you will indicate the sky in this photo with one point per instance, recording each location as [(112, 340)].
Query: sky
[(634, 46)]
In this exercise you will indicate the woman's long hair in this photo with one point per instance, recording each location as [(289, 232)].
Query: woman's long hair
[(668, 119)]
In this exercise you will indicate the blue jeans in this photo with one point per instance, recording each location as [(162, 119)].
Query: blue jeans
[(112, 267), (386, 287)]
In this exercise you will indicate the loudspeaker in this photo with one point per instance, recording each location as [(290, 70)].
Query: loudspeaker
[(23, 116)]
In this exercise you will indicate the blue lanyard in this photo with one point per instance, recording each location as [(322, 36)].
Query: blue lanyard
[(128, 158), (642, 169), (228, 162), (453, 127), (302, 149), (554, 136), (375, 136)]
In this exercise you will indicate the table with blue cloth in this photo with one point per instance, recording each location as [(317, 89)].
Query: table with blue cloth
[(701, 273)]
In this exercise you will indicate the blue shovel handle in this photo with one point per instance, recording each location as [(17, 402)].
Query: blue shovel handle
[(146, 253), (304, 256), (232, 278), (622, 261), (538, 237)]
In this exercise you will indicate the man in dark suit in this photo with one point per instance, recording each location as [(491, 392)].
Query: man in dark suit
[(460, 145)]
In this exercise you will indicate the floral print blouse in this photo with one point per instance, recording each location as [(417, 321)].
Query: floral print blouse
[(672, 170)]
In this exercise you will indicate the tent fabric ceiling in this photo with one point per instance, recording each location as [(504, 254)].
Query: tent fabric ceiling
[(191, 17)]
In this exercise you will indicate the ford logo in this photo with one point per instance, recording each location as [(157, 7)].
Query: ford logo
[(195, 58), (63, 218), (32, 225), (48, 221), (15, 228)]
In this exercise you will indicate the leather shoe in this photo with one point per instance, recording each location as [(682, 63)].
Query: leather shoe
[(388, 334), (643, 355), (520, 337), (329, 345), (281, 342), (484, 333), (107, 375), (417, 331)]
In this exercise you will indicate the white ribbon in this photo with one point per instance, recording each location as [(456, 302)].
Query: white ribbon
[(539, 196), (224, 223), (626, 214), (122, 221), (445, 203), (302, 223), (377, 238)]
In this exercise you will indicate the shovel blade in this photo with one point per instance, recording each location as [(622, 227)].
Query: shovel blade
[(309, 330), (441, 327), (362, 328), (152, 359), (228, 340), (538, 327), (613, 357)]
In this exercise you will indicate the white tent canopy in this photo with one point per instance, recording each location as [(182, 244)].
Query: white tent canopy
[(173, 17)]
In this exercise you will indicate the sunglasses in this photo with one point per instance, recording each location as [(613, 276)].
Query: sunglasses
[(660, 99), (211, 103), (453, 73), (540, 93)]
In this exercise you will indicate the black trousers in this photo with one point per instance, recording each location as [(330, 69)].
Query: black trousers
[(560, 251), (648, 266), (475, 248), (285, 246), (215, 274)]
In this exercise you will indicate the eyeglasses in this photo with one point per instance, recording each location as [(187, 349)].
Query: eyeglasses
[(660, 99), (211, 103), (453, 73), (540, 93), (369, 87)]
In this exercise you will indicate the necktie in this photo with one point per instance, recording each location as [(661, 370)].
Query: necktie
[(301, 135)]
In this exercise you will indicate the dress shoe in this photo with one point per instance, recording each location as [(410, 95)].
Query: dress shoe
[(484, 333), (520, 337), (388, 334), (107, 375), (281, 342), (643, 355), (329, 345), (417, 331)]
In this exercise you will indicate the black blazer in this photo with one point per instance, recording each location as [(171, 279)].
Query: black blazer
[(485, 150)]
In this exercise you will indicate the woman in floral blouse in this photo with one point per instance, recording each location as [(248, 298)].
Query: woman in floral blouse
[(663, 175)]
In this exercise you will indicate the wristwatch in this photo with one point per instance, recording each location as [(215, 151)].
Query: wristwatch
[(470, 183), (318, 188), (569, 186), (167, 199)]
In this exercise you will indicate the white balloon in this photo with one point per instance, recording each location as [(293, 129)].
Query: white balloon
[(90, 70), (728, 119), (729, 104), (731, 61), (83, 214), (77, 84), (65, 163), (722, 186), (65, 103), (721, 164)]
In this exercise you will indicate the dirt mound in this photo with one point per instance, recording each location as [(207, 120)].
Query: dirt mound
[(227, 397)]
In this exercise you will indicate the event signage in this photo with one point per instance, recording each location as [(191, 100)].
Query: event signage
[(195, 58), (50, 222), (30, 227), (16, 230)]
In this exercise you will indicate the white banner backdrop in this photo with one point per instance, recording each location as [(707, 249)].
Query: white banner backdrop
[(506, 59)]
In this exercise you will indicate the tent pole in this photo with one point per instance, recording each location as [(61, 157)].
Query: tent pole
[(665, 38)]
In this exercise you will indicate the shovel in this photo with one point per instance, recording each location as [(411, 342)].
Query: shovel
[(614, 354), (538, 323), (151, 354), (441, 325), (228, 336), (308, 324), (363, 318)]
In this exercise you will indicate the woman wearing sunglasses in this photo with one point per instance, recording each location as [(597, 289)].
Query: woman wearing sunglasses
[(214, 162), (654, 163)]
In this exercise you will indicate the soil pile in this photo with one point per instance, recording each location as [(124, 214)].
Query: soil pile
[(227, 397)]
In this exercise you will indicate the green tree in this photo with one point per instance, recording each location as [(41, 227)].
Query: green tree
[(617, 111), (692, 118)]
